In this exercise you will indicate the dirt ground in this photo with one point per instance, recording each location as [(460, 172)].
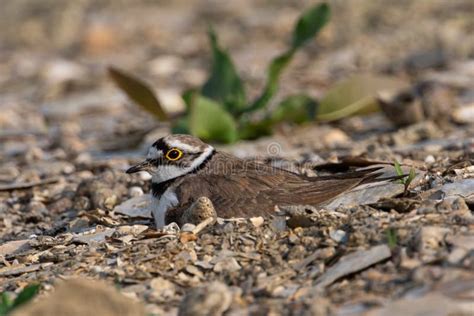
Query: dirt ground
[(67, 135)]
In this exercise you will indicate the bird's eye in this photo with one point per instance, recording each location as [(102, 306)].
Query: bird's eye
[(173, 154)]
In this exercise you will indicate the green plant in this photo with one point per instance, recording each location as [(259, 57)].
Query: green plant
[(404, 178), (27, 294), (392, 237), (220, 110)]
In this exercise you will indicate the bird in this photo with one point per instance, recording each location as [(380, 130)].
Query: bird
[(184, 168)]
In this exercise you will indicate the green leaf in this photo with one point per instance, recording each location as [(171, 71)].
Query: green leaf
[(208, 120), (274, 71), (296, 108), (5, 304), (249, 129), (181, 126), (355, 95), (26, 295), (398, 168), (309, 24), (188, 98), (138, 91), (5, 300), (411, 176), (224, 84)]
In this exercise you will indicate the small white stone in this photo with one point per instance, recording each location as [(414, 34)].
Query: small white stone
[(165, 65), (145, 176), (188, 227), (84, 158), (430, 159), (257, 221), (337, 235), (135, 191)]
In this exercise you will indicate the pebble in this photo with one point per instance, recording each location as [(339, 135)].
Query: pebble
[(457, 255), (135, 191), (338, 235), (162, 288), (257, 221), (429, 238), (430, 159), (227, 264), (212, 299), (165, 65), (188, 227), (145, 176)]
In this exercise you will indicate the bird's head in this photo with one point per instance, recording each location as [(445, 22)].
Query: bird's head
[(173, 156)]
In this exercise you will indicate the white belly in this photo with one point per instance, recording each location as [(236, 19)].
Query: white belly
[(166, 201)]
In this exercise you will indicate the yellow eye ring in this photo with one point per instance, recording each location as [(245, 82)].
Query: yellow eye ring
[(173, 154)]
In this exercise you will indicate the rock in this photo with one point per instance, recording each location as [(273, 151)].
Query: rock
[(212, 299), (425, 100), (13, 247), (430, 159), (367, 195), (135, 191), (188, 227), (165, 65), (78, 297), (104, 190), (139, 206), (162, 288), (20, 269), (257, 221), (432, 304), (228, 264), (463, 241), (463, 188), (351, 263), (464, 114), (78, 225), (134, 230), (322, 253), (457, 255), (338, 235), (62, 71), (94, 236), (462, 244), (430, 238)]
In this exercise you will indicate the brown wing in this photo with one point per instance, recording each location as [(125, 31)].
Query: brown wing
[(256, 192)]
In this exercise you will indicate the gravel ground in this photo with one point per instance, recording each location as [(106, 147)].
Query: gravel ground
[(70, 218)]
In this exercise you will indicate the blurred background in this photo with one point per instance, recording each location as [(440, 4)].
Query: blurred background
[(54, 54)]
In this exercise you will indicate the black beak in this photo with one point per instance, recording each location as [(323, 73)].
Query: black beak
[(142, 166)]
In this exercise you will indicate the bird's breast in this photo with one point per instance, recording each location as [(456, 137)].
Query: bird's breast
[(162, 204)]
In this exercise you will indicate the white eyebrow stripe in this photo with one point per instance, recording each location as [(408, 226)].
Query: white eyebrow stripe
[(181, 145)]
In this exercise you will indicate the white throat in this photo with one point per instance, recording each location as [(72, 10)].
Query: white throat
[(165, 173), (162, 205)]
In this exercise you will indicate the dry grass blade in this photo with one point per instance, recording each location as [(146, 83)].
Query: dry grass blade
[(203, 224), (27, 185), (139, 92)]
